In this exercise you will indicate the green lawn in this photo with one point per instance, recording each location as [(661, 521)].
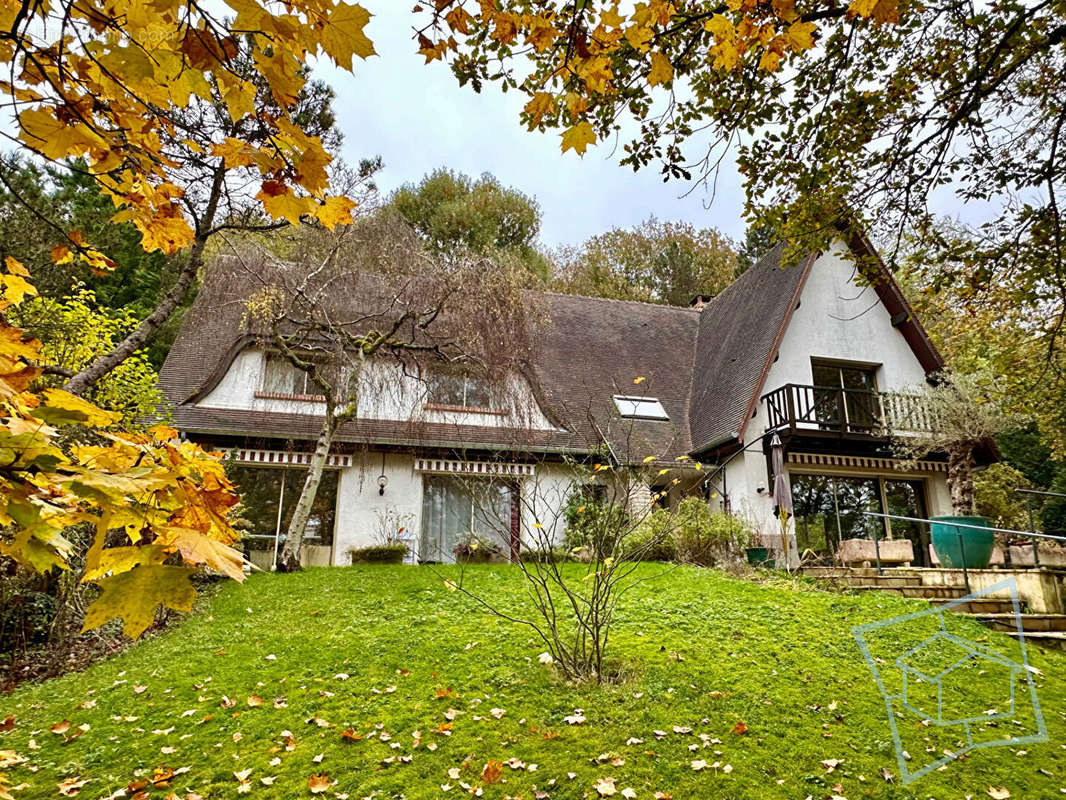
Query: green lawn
[(371, 648)]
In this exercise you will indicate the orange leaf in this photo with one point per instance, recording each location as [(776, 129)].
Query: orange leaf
[(318, 783), (492, 772), (740, 728)]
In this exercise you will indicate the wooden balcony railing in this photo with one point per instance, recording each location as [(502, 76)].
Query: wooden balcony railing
[(853, 411)]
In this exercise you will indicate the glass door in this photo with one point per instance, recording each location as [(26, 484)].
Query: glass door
[(845, 397), (907, 499)]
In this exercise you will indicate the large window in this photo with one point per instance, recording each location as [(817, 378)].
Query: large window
[(829, 508), (281, 377), (845, 395), (454, 508), (452, 389), (268, 497)]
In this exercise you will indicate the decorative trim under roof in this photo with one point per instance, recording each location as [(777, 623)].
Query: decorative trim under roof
[(287, 458), (491, 468), (864, 462)]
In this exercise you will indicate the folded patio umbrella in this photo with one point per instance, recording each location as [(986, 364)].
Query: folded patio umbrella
[(782, 493)]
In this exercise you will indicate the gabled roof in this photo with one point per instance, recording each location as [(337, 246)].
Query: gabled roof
[(706, 367)]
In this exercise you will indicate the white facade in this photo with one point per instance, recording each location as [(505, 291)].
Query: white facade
[(839, 320)]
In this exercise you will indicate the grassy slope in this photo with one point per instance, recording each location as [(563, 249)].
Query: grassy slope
[(781, 653)]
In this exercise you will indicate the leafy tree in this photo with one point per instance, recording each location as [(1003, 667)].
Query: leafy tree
[(656, 262), (75, 331), (157, 506), (190, 124), (758, 241), (452, 212), (838, 114)]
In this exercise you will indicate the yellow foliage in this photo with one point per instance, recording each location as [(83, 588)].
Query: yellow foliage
[(169, 496), (578, 138), (662, 71)]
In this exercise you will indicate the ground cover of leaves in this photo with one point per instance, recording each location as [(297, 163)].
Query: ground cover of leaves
[(380, 681)]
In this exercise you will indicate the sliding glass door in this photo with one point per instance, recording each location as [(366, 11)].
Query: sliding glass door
[(454, 508), (829, 509)]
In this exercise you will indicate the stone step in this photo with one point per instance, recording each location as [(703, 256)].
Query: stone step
[(836, 573), (881, 581), (1054, 639), (980, 605), (917, 591), (1031, 623)]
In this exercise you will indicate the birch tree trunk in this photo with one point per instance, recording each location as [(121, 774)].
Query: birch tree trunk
[(289, 559), (960, 478)]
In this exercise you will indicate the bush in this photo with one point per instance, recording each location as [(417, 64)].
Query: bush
[(379, 554), (592, 523), (691, 535)]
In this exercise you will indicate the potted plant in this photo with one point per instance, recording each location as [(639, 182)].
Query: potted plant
[(958, 418), (474, 549)]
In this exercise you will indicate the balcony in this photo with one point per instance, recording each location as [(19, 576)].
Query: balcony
[(846, 412)]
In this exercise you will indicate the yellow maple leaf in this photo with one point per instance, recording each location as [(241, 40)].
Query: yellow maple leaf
[(770, 61), (135, 594), (725, 55), (60, 407), (578, 138), (541, 104), (800, 35), (343, 37), (280, 202), (638, 36), (596, 72), (335, 211), (662, 71), (16, 288), (234, 152), (721, 28)]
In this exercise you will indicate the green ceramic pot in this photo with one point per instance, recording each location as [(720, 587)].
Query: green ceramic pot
[(951, 541)]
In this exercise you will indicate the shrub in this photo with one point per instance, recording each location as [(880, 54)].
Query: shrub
[(593, 523), (691, 535), (378, 554)]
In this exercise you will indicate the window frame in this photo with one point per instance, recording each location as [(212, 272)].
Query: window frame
[(637, 402), (265, 392), (468, 382)]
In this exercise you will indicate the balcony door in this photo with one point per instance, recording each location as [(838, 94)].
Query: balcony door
[(845, 396)]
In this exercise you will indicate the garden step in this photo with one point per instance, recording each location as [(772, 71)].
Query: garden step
[(979, 606), (881, 581), (943, 593), (1056, 639), (1031, 623), (836, 573)]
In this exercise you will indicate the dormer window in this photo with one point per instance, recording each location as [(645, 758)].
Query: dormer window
[(640, 408), (451, 390), (281, 379)]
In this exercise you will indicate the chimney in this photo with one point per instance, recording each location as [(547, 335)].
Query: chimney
[(700, 301)]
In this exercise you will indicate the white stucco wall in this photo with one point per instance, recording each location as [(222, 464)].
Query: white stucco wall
[(385, 393), (836, 319), (359, 505)]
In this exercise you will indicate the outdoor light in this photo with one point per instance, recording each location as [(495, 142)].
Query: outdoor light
[(383, 479)]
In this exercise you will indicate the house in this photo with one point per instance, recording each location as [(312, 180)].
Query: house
[(808, 351)]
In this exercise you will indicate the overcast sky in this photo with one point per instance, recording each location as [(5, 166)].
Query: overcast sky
[(418, 118)]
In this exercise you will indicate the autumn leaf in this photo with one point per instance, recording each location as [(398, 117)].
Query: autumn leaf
[(492, 772), (318, 783), (1002, 793), (578, 138), (539, 106), (662, 71), (343, 37), (70, 787), (740, 728), (800, 35), (134, 596)]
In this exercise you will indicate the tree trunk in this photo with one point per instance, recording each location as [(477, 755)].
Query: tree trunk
[(960, 479), (86, 378), (289, 559)]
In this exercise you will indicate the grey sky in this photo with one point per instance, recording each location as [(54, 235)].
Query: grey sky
[(418, 118)]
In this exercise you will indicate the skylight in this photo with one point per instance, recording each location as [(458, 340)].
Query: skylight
[(640, 407)]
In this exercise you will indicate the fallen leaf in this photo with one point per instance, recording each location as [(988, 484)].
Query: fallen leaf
[(831, 764), (318, 783), (740, 728), (255, 701), (492, 772), (61, 727), (1001, 793), (698, 765), (605, 787), (70, 787)]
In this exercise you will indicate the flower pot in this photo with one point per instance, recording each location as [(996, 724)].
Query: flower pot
[(760, 557), (951, 542)]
